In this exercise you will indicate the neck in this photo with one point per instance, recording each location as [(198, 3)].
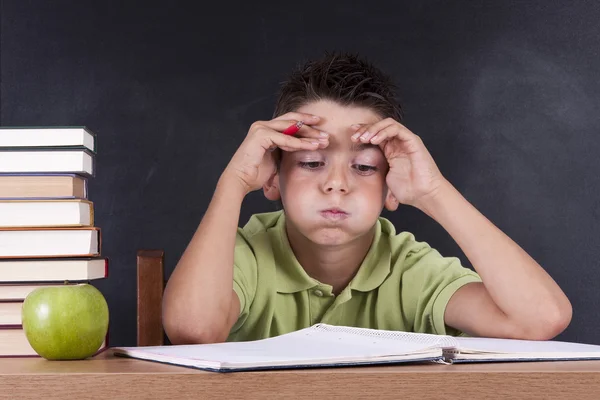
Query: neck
[(333, 265)]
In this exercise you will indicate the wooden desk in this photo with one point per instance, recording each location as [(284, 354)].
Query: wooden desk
[(108, 377)]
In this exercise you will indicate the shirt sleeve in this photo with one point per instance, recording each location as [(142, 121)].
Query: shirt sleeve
[(428, 283), (244, 277)]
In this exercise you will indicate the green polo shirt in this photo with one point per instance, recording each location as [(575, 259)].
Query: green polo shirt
[(401, 285)]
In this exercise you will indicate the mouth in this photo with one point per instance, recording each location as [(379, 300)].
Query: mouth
[(334, 213)]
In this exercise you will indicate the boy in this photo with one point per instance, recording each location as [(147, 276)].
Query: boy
[(329, 256)]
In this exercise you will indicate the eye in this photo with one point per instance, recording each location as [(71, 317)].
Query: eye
[(311, 164), (364, 169)]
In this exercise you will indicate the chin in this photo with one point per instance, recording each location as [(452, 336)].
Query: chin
[(330, 237)]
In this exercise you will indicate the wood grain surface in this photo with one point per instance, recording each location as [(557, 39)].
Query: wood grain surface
[(106, 376)]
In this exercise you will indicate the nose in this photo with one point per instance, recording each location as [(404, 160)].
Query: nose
[(336, 181)]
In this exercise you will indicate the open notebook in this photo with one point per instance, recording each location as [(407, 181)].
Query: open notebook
[(325, 345)]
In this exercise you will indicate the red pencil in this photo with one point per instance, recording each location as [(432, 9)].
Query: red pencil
[(292, 130)]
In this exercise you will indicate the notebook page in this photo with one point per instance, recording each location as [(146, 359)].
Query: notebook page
[(425, 339), (300, 347), (513, 346)]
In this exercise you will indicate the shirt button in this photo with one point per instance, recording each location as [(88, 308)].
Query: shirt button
[(318, 293)]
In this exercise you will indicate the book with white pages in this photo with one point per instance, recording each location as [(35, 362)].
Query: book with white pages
[(48, 136), (50, 242), (46, 213), (19, 277), (324, 345), (36, 161)]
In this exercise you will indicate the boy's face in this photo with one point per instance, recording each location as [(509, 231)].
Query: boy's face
[(334, 195)]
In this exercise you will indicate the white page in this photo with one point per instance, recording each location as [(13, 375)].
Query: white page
[(24, 243), (297, 347), (424, 339), (46, 161), (512, 346), (45, 136), (50, 213)]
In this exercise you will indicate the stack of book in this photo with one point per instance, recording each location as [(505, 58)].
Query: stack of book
[(47, 231)]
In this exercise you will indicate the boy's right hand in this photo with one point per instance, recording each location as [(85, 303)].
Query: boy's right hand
[(254, 161)]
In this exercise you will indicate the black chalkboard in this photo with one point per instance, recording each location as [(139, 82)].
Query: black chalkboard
[(505, 95)]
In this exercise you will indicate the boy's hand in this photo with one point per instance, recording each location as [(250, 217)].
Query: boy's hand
[(413, 175), (254, 161)]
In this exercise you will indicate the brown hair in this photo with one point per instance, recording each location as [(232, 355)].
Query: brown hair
[(343, 78)]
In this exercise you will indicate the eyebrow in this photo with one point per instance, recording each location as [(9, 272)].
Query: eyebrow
[(357, 147)]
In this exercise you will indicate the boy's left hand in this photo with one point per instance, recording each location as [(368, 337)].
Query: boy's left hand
[(413, 175)]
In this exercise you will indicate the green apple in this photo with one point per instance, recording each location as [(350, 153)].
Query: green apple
[(67, 322)]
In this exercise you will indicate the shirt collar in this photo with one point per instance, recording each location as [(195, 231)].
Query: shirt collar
[(376, 266), (291, 277)]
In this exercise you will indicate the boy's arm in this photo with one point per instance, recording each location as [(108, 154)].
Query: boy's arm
[(199, 304), (517, 298)]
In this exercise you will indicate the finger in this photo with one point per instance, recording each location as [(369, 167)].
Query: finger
[(304, 131), (366, 131), (320, 144), (385, 134), (271, 139), (399, 131), (308, 119), (304, 144), (292, 149), (411, 142), (357, 131), (310, 135)]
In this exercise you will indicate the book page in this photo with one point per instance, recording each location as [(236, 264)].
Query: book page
[(513, 346), (425, 339), (306, 345)]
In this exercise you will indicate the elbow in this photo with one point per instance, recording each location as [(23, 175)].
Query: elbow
[(551, 323), (184, 332), (183, 327), (179, 335), (557, 319), (560, 320)]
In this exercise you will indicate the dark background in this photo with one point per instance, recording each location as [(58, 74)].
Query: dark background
[(505, 95)]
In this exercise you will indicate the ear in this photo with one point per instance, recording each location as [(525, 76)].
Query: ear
[(271, 187), (391, 203)]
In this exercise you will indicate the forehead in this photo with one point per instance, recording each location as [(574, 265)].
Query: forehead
[(337, 120)]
